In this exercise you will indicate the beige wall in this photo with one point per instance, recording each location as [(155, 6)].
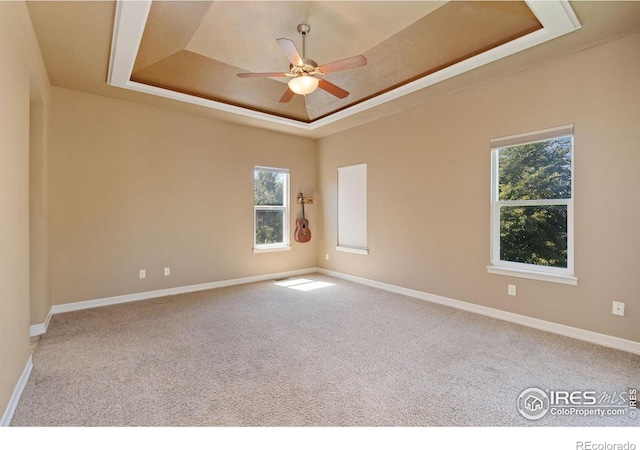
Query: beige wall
[(429, 190), (141, 187), (21, 63), (39, 210)]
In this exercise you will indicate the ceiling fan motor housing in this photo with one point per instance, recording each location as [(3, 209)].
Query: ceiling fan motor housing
[(309, 67)]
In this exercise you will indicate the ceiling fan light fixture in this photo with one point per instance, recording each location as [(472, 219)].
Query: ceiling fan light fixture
[(303, 70), (303, 84)]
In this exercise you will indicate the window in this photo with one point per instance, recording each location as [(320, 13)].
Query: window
[(532, 205), (352, 209), (271, 209)]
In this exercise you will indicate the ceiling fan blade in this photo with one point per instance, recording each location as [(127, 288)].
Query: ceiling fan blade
[(288, 95), (258, 75), (343, 64), (289, 49), (332, 89)]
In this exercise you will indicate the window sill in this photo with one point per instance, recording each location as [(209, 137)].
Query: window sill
[(533, 275), (275, 248), (356, 250)]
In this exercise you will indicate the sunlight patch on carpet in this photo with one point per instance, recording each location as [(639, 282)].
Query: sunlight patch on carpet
[(303, 284)]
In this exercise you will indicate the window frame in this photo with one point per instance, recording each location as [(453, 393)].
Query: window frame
[(525, 270), (352, 189), (285, 245)]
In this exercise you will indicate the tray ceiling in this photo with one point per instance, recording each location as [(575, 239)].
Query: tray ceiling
[(192, 51)]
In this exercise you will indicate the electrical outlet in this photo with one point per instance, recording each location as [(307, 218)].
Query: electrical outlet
[(143, 274), (167, 271), (511, 289), (326, 256), (618, 309)]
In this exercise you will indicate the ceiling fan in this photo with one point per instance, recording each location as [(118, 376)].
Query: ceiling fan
[(304, 72)]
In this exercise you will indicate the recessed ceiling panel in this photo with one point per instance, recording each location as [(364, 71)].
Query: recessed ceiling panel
[(194, 51), (197, 48)]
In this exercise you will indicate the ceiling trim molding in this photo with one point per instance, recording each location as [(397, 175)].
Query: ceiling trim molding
[(556, 16), (128, 27)]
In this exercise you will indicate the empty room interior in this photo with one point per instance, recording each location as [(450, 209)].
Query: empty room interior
[(244, 213)]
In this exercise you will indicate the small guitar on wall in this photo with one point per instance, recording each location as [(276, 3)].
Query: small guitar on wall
[(302, 233)]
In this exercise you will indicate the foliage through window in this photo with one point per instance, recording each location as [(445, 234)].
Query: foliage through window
[(532, 202), (271, 194)]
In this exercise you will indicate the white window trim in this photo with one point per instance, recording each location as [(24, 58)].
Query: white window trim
[(280, 246), (268, 248), (356, 250), (522, 270), (532, 275), (341, 246)]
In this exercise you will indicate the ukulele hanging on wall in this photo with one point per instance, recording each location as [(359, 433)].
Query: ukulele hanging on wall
[(302, 233)]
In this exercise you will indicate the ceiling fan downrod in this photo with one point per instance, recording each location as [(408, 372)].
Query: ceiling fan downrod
[(304, 29)]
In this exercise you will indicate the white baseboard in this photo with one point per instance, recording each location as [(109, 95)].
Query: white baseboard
[(552, 327), (77, 306), (17, 392), (40, 328)]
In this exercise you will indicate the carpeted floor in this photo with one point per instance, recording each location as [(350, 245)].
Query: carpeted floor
[(339, 355)]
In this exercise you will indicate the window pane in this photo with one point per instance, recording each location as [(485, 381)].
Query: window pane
[(269, 187), (534, 235), (269, 227), (540, 170)]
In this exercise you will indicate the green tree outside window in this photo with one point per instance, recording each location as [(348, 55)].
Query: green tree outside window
[(538, 171), (269, 205)]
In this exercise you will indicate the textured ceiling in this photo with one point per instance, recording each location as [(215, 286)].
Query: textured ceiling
[(76, 39), (340, 29), (197, 48)]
